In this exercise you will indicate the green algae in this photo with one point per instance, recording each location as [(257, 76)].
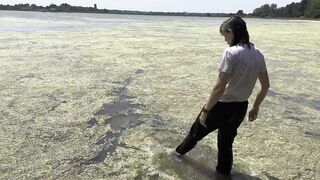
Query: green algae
[(54, 82)]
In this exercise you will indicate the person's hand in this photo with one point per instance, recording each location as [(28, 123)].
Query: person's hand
[(253, 114), (203, 118)]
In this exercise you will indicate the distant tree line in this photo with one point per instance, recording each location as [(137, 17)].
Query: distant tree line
[(68, 8), (303, 9), (51, 8)]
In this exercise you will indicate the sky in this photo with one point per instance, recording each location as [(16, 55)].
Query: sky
[(203, 6)]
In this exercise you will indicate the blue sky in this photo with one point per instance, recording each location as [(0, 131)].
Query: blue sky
[(212, 6)]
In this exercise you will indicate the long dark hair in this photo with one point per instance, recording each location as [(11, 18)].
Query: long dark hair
[(239, 29)]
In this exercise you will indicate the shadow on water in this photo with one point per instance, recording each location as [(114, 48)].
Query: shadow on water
[(314, 103), (210, 173), (272, 93), (310, 134), (198, 164)]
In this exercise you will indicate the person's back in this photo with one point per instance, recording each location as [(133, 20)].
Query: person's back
[(241, 65), (245, 64)]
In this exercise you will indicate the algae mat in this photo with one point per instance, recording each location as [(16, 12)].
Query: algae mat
[(110, 96)]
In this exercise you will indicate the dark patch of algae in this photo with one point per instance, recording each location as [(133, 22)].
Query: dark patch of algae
[(122, 118)]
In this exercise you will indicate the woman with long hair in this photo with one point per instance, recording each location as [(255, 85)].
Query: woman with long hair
[(241, 65)]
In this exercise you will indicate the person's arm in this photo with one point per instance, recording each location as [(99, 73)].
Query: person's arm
[(215, 95), (264, 81)]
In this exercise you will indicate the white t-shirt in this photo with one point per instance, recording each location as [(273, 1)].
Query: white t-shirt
[(244, 65)]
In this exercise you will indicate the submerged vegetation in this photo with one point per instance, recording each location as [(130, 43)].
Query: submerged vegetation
[(111, 103)]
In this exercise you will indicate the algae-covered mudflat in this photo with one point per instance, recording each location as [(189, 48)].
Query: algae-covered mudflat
[(88, 96)]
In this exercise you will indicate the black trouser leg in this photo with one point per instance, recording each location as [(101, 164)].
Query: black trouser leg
[(225, 154), (197, 132), (226, 135), (225, 116)]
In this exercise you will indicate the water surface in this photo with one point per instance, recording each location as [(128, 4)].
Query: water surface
[(110, 96)]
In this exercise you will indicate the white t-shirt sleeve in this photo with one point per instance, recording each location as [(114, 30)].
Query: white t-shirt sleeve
[(226, 62), (263, 65), (262, 62)]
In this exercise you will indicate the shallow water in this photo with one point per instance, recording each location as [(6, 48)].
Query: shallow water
[(94, 96)]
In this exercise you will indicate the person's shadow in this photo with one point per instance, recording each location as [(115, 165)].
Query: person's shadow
[(198, 165), (210, 173)]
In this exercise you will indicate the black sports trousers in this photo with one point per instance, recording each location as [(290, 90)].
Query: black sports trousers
[(226, 117)]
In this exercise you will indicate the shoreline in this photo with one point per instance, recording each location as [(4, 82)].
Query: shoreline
[(168, 15)]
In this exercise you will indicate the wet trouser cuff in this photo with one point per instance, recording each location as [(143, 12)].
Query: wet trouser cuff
[(186, 145)]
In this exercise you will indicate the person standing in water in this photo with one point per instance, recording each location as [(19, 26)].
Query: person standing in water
[(241, 65)]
